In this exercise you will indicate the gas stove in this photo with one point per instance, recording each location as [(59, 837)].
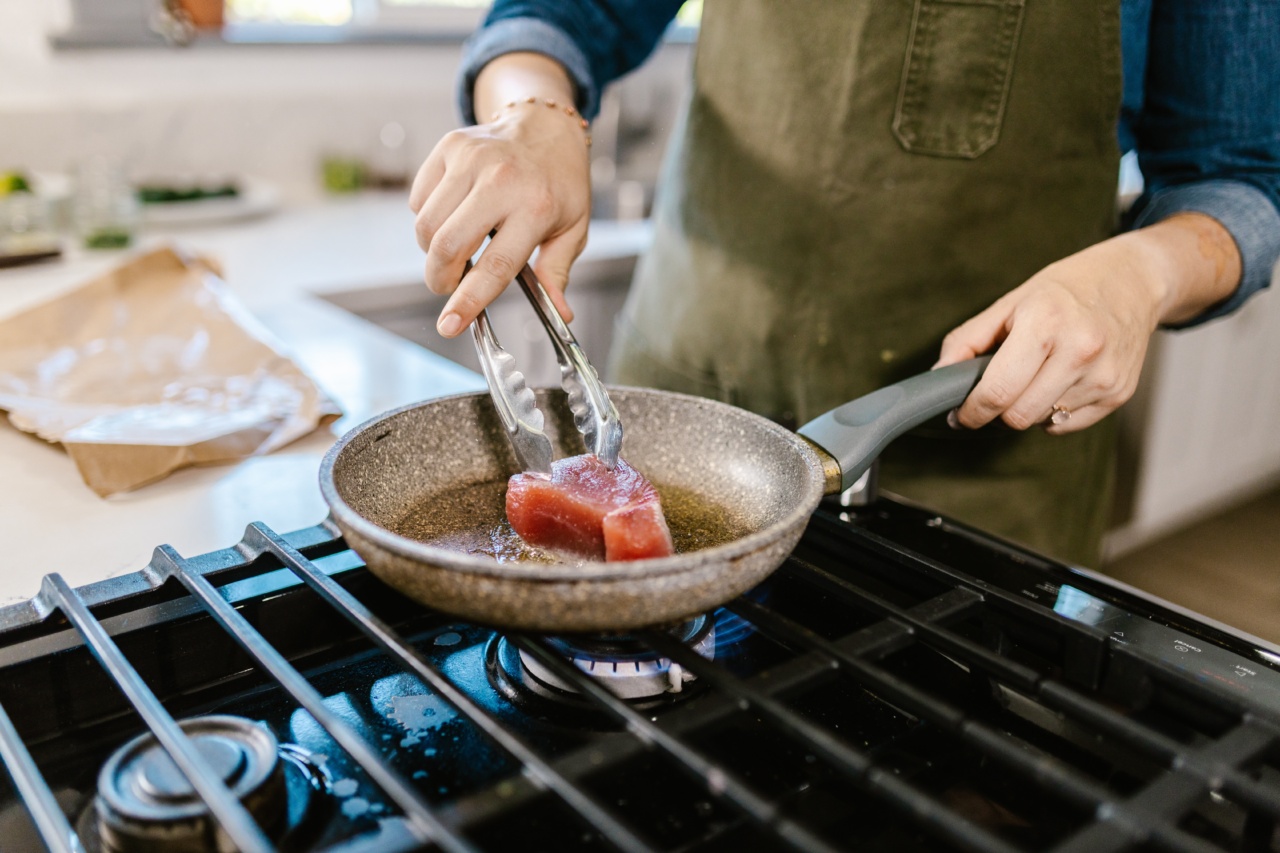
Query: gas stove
[(903, 682)]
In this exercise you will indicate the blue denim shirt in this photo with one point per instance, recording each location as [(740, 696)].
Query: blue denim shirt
[(1201, 100)]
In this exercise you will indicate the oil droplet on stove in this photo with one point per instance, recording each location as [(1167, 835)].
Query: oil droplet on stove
[(345, 787), (418, 713), (449, 638), (419, 774), (355, 807), (410, 740)]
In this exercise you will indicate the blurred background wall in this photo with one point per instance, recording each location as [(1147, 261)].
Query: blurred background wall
[(267, 110)]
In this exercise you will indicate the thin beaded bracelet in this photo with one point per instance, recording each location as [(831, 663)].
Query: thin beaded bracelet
[(567, 109)]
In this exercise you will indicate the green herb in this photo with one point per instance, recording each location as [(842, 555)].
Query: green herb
[(164, 195)]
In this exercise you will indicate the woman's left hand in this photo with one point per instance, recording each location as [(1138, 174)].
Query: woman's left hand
[(1073, 337)]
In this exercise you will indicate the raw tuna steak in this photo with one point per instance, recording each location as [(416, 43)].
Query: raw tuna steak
[(586, 509)]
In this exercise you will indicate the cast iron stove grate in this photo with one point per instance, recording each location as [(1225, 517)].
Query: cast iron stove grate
[(901, 683)]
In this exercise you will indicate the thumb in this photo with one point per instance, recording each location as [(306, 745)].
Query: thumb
[(555, 257), (975, 336)]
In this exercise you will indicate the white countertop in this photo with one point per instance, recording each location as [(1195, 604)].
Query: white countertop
[(50, 521)]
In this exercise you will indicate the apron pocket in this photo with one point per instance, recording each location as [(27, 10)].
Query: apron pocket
[(955, 81)]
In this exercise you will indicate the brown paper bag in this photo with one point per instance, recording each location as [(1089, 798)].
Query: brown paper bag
[(152, 367)]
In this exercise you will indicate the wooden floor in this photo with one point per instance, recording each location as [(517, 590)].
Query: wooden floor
[(1227, 567)]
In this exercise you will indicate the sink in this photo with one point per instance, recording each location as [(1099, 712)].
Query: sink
[(598, 287)]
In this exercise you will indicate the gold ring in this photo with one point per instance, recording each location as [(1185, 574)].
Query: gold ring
[(1059, 416)]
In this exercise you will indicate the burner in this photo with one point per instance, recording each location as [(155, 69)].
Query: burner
[(624, 665), (145, 803)]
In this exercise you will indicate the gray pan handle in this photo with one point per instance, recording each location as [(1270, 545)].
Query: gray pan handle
[(857, 432)]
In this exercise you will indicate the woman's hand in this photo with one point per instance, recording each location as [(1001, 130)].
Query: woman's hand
[(1073, 337), (524, 173)]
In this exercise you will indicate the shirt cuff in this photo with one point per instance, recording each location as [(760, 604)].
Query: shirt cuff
[(1249, 217), (534, 35)]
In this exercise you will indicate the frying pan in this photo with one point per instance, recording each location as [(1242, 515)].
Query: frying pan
[(762, 480)]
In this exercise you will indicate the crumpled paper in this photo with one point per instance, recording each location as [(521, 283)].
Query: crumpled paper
[(153, 367)]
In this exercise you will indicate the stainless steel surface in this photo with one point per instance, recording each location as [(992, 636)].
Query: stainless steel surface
[(512, 398), (865, 491), (594, 414)]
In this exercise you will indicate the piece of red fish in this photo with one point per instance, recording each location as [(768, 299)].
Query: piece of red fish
[(584, 508)]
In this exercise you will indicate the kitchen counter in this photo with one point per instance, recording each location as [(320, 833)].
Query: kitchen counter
[(278, 266), (294, 268)]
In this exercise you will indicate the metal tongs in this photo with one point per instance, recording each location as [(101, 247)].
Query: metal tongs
[(593, 412)]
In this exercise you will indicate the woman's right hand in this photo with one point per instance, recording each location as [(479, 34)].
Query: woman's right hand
[(524, 174)]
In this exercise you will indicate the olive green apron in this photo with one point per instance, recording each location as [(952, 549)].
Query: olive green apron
[(850, 181)]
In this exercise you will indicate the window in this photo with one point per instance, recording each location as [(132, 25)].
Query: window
[(349, 20), (132, 23)]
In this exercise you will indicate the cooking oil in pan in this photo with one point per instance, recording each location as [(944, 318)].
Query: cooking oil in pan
[(472, 519)]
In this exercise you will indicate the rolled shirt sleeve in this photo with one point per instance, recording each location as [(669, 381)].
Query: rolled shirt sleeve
[(1249, 216), (1206, 124), (597, 41)]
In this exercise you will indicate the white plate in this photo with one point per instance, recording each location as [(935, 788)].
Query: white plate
[(255, 199)]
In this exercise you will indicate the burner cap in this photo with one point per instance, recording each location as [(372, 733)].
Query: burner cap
[(158, 779), (623, 664), (145, 802)]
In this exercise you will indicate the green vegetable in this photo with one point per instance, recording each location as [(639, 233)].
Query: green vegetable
[(13, 182), (164, 195), (342, 175), (108, 237)]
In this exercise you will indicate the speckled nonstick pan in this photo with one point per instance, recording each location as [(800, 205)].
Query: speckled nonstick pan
[(766, 478)]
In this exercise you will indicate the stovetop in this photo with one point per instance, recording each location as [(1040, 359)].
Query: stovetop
[(901, 683)]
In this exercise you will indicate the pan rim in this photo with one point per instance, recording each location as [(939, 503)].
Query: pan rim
[(437, 557)]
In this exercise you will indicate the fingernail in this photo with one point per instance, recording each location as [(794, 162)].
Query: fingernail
[(450, 324), (953, 419)]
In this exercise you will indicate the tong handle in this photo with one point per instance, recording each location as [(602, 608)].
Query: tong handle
[(513, 399), (593, 412)]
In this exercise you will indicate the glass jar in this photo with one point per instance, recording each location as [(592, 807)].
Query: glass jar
[(105, 207), (25, 225)]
